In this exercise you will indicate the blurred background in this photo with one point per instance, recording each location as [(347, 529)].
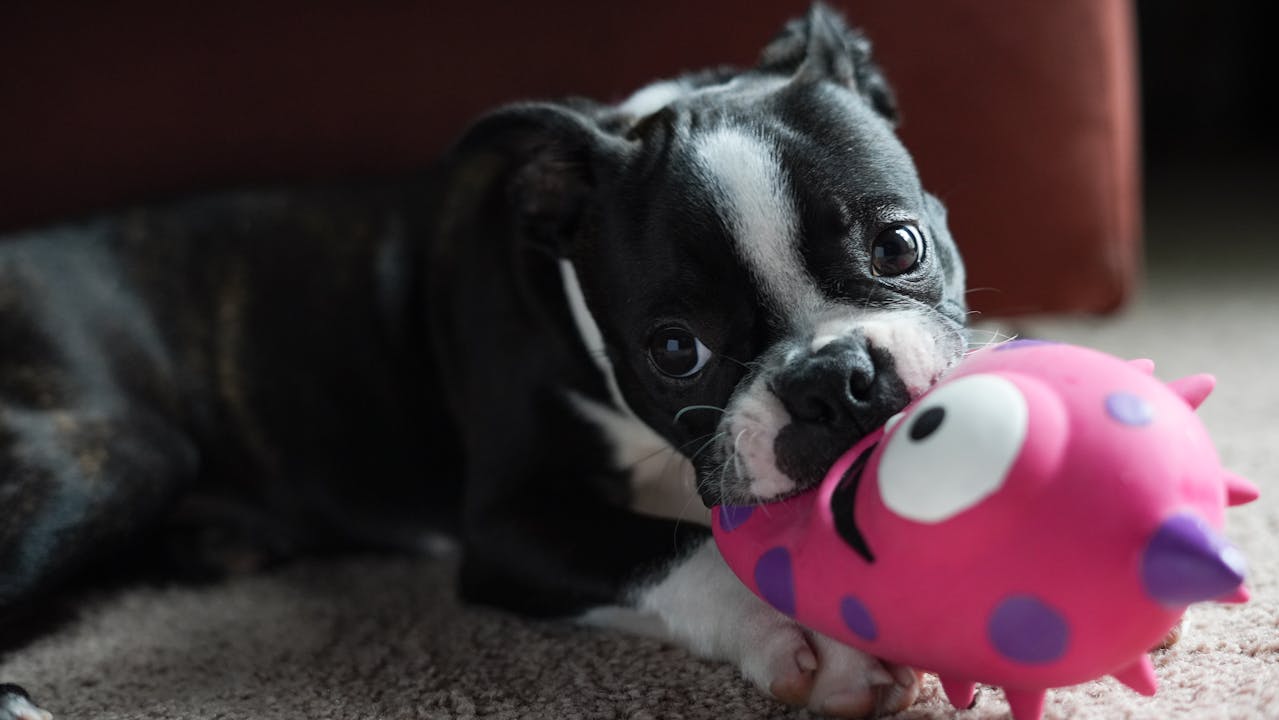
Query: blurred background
[(1205, 90), (1209, 136), (1061, 134)]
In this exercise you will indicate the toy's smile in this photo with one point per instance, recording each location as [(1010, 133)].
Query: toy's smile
[(843, 505)]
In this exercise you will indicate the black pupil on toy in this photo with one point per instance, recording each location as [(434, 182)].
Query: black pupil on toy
[(674, 351), (895, 250), (927, 422)]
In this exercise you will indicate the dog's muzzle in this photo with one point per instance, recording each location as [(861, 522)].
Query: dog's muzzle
[(835, 395)]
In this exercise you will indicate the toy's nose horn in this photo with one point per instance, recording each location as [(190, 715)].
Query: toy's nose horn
[(1186, 561)]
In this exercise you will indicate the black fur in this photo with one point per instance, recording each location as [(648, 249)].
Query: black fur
[(260, 352)]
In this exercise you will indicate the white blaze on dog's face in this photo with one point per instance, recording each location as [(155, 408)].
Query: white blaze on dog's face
[(838, 369), (748, 185)]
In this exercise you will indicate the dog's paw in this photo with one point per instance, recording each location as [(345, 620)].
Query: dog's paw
[(703, 606), (806, 669), (15, 704)]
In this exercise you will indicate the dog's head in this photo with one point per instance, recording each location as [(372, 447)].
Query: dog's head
[(767, 277)]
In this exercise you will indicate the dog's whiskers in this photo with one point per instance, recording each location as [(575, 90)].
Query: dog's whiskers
[(749, 365), (679, 456), (733, 460), (683, 410), (718, 473), (676, 453), (714, 437), (991, 337), (870, 294)]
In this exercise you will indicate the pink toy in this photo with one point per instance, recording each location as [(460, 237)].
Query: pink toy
[(1040, 518)]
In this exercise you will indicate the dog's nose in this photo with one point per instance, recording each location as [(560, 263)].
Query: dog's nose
[(844, 386), (835, 395)]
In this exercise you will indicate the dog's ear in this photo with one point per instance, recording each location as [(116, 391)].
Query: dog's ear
[(549, 156), (821, 46)]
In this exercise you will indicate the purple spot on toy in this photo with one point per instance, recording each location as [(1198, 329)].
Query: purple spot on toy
[(1019, 344), (858, 618), (775, 581), (731, 517), (1186, 561), (1025, 630), (1128, 409)]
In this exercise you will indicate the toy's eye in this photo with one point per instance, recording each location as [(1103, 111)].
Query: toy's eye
[(677, 352), (954, 449)]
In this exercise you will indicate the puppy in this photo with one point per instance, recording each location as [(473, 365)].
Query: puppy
[(587, 325)]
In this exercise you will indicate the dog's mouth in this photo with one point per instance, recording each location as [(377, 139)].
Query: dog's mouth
[(808, 402), (737, 474), (843, 503)]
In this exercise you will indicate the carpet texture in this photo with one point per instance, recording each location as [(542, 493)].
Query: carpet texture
[(384, 637)]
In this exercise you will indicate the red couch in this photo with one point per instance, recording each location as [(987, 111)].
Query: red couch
[(1022, 115)]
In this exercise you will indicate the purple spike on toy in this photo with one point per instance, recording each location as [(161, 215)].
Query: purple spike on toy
[(1145, 365), (1239, 490), (1140, 676), (1025, 704), (1186, 561), (1194, 389), (960, 693)]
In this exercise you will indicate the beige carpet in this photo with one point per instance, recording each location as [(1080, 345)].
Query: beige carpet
[(383, 638)]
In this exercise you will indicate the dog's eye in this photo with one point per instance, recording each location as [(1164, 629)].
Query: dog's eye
[(954, 449), (897, 249), (677, 352)]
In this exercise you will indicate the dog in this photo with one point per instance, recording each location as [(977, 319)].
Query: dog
[(588, 324)]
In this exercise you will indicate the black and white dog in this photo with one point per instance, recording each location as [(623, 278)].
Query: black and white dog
[(591, 322)]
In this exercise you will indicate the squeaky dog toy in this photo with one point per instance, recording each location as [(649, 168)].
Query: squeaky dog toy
[(1040, 518)]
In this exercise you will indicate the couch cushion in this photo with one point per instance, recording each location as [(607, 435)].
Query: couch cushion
[(1021, 115)]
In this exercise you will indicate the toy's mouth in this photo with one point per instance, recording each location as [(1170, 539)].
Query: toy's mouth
[(843, 502)]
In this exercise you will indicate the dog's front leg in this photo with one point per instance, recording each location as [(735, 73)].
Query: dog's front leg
[(700, 604), (557, 554)]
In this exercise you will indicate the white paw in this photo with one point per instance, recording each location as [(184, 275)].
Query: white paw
[(806, 669), (702, 605), (15, 704)]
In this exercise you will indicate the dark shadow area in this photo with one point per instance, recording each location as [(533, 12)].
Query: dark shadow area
[(1208, 77), (1209, 119)]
